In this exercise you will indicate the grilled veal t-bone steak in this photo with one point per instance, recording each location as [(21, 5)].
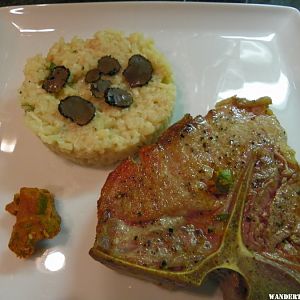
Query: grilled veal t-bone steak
[(215, 192)]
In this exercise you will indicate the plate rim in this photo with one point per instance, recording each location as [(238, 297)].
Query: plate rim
[(227, 5)]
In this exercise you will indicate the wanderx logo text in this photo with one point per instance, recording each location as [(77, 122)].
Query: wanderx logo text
[(284, 296)]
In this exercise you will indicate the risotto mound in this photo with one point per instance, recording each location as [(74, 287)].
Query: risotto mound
[(114, 132)]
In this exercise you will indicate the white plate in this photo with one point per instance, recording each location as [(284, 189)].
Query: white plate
[(215, 50)]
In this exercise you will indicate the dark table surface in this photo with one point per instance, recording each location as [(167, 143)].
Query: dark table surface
[(293, 3)]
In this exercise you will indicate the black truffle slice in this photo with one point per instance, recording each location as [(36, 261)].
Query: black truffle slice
[(56, 80), (139, 71), (99, 87), (92, 75), (77, 109), (118, 97), (108, 65)]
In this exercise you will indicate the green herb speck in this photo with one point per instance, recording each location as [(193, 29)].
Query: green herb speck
[(28, 107), (224, 181), (43, 201), (222, 217), (52, 66)]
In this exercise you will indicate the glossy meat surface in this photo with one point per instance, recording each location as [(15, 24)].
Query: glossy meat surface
[(169, 209)]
